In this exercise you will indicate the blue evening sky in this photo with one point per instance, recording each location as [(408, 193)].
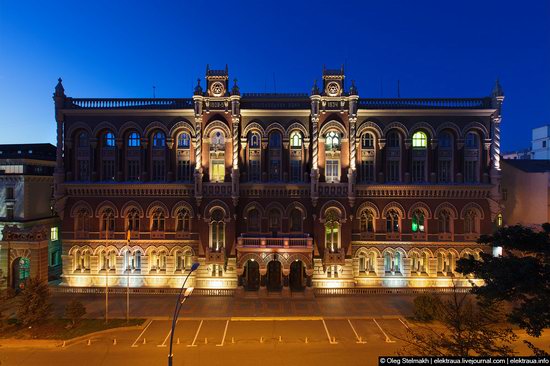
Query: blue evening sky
[(123, 48)]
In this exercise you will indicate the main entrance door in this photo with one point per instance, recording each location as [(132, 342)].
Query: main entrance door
[(252, 275), (296, 278), (21, 270), (274, 282)]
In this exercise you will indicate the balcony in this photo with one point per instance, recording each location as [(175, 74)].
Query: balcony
[(335, 257), (215, 257), (279, 242)]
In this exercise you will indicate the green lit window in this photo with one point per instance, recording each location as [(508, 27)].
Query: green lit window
[(419, 140), (54, 233), (418, 222)]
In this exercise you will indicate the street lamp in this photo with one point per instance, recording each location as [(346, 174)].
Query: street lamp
[(179, 304)]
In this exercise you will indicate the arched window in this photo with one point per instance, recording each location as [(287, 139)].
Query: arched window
[(499, 220), (450, 263), (217, 140), (366, 222), (419, 140), (418, 221), (274, 218), (184, 140), (217, 230), (296, 220), (393, 157), (471, 158), (83, 139), (253, 220), (254, 157), (332, 230), (134, 140), (471, 222), (137, 260), (419, 143), (183, 221), (392, 221), (275, 156), (392, 262), (217, 157), (296, 157), (83, 157), (367, 159), (444, 221), (332, 157), (108, 221), (133, 220), (415, 265), (159, 140), (445, 158), (83, 220), (108, 140), (157, 220), (108, 157), (107, 260), (184, 260), (371, 263), (397, 262), (440, 262)]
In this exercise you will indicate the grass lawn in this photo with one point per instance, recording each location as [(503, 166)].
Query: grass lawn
[(57, 328)]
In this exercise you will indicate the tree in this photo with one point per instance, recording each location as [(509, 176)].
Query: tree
[(426, 307), (34, 302), (465, 327), (520, 277), (74, 311)]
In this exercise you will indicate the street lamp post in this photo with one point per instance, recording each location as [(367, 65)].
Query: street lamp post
[(179, 303)]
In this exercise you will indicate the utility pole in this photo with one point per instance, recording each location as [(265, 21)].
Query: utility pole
[(107, 269), (128, 281)]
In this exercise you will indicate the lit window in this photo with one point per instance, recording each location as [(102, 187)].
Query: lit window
[(499, 220), (218, 170), (419, 140), (109, 140), (471, 140), (332, 230), (418, 222), (254, 141), (367, 141), (134, 140), (392, 221), (217, 140), (54, 233), (184, 141), (296, 140), (159, 140), (332, 141)]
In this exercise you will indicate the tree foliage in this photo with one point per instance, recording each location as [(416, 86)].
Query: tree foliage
[(74, 311), (520, 277), (34, 302), (464, 327), (426, 307)]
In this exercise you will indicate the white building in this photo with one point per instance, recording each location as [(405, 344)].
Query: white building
[(540, 143)]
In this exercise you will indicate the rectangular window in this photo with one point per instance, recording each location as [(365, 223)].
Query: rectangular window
[(83, 170), (544, 144), (418, 171), (332, 171), (133, 170), (470, 171), (254, 170), (108, 170), (393, 171), (158, 171), (444, 171), (184, 170), (366, 173), (9, 213), (275, 170), (217, 173), (9, 193), (54, 233), (295, 170), (54, 258)]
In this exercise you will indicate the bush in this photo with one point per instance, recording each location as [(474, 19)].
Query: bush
[(74, 311), (34, 302), (426, 307)]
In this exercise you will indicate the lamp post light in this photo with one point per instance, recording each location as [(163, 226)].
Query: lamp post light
[(181, 299)]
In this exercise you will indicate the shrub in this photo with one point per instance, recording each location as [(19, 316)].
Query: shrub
[(74, 311), (426, 307), (34, 302)]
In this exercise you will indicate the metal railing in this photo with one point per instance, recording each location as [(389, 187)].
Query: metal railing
[(129, 103), (425, 103)]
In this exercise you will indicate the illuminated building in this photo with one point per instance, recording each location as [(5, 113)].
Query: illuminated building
[(275, 191)]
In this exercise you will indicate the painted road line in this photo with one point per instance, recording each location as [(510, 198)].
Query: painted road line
[(405, 324), (166, 339), (273, 318), (328, 334), (388, 340), (359, 339), (224, 333), (139, 336), (196, 335)]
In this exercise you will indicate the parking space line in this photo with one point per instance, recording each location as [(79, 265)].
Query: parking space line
[(359, 339), (404, 323), (388, 340), (328, 334), (139, 336), (224, 333), (166, 339), (196, 335)]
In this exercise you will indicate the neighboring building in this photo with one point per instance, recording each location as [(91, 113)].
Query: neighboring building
[(525, 192), (540, 143), (275, 191), (29, 237), (524, 154)]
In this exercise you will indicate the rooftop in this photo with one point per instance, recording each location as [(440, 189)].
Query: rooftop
[(530, 166), (28, 151)]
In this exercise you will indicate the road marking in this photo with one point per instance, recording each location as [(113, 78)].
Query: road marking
[(139, 336), (273, 318), (330, 340), (196, 335), (404, 323), (166, 339), (388, 340), (224, 333), (359, 339)]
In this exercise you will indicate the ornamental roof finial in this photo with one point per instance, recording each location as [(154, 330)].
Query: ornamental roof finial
[(353, 88), (198, 88), (497, 90), (235, 90), (59, 89), (315, 89)]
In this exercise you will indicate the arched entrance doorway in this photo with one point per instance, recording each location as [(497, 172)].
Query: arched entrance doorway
[(274, 280), (296, 278), (21, 270), (251, 275)]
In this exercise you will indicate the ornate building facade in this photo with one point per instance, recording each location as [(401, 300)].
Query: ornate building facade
[(275, 191)]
